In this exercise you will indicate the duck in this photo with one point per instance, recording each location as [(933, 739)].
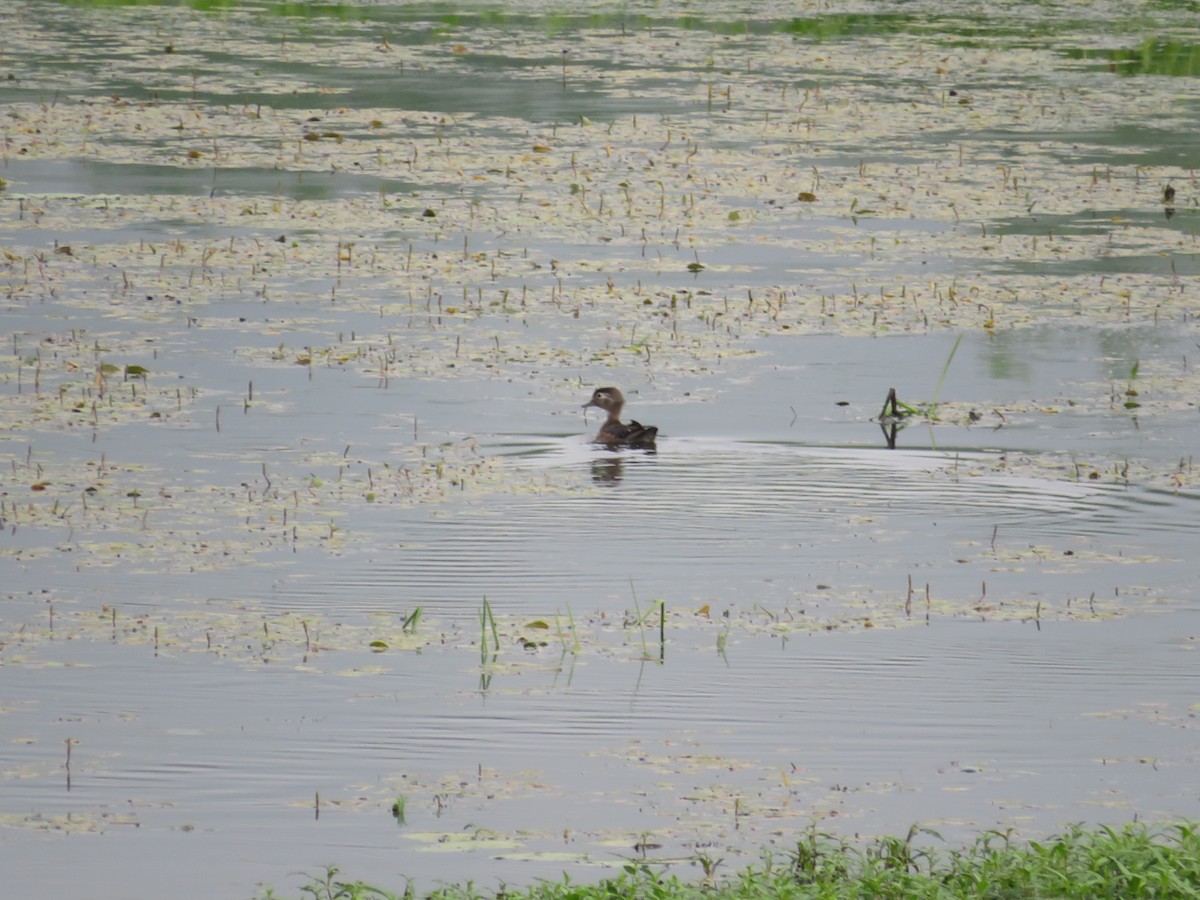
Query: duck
[(613, 433)]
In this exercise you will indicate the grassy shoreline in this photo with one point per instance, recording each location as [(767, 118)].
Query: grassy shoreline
[(1133, 861)]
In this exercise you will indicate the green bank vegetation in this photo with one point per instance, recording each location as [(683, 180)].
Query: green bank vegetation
[(1133, 861)]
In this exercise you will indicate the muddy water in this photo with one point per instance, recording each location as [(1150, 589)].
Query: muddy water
[(360, 397)]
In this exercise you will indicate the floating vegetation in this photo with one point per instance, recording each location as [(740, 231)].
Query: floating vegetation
[(103, 513), (247, 632)]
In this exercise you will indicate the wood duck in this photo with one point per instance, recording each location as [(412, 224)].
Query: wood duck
[(614, 434)]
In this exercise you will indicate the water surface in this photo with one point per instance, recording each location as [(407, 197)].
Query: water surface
[(300, 309)]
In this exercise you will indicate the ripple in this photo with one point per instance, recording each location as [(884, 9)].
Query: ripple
[(748, 522)]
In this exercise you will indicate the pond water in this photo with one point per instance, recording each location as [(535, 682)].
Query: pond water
[(300, 513)]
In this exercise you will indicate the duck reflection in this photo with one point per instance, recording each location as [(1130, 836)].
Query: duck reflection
[(608, 471)]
